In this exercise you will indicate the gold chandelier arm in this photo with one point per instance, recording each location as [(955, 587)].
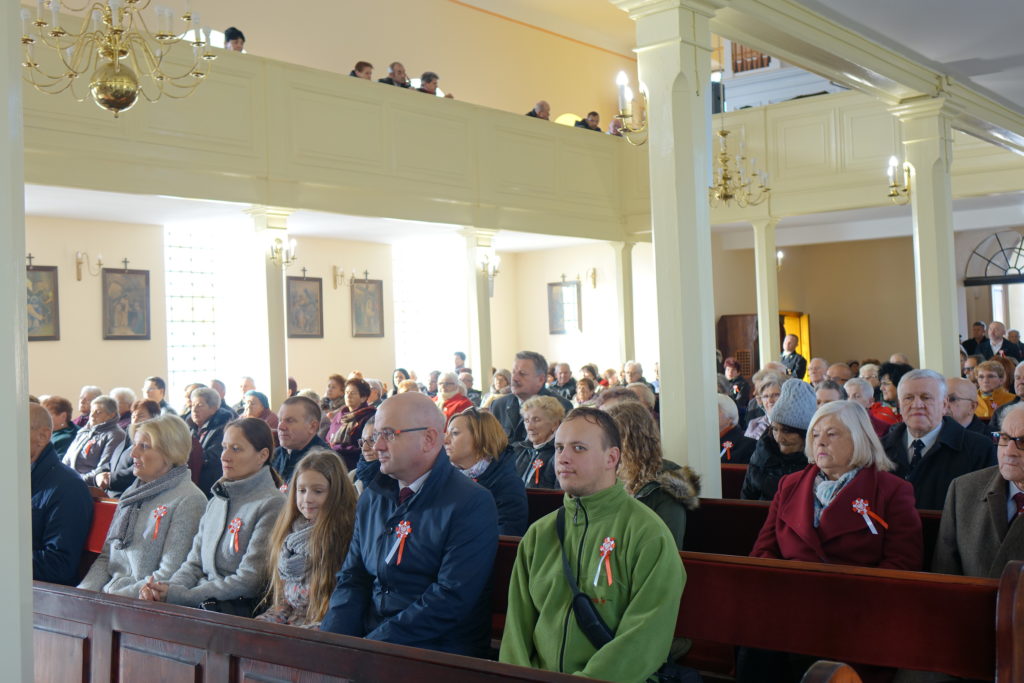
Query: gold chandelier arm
[(50, 88)]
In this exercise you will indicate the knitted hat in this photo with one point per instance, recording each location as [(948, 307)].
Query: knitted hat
[(796, 405)]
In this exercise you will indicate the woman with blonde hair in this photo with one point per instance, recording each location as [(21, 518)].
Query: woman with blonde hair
[(535, 462), (157, 515), (663, 486), (310, 540), (475, 443)]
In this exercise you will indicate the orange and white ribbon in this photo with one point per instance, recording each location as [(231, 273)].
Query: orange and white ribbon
[(158, 514), (402, 532), (233, 529), (283, 488), (863, 508), (726, 450), (607, 546), (538, 465)]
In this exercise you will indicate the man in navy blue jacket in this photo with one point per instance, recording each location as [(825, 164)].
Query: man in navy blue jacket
[(419, 564), (61, 507)]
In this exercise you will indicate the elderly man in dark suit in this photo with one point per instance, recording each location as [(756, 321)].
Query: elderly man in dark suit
[(529, 372), (997, 344), (982, 527), (930, 450)]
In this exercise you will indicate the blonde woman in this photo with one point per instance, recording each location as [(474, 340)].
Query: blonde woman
[(535, 462)]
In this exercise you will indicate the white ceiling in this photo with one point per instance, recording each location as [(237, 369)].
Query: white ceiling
[(977, 43), (64, 202)]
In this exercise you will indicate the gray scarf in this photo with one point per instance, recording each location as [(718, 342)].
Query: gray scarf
[(291, 565), (132, 500)]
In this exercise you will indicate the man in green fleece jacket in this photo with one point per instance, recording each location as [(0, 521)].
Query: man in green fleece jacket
[(623, 557)]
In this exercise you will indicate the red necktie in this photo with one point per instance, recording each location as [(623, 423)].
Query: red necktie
[(404, 495)]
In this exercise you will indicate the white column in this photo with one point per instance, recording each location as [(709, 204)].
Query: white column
[(769, 345), (479, 242), (15, 510), (624, 288), (270, 225), (674, 59), (927, 145)]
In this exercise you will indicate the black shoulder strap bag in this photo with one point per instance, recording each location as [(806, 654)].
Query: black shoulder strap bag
[(594, 627)]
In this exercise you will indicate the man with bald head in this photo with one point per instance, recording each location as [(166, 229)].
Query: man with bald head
[(998, 345), (839, 373), (981, 530), (961, 402), (817, 372), (421, 555), (541, 110), (61, 506)]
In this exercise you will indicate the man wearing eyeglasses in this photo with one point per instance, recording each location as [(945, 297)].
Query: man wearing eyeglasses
[(982, 527), (424, 543), (1018, 388), (961, 402), (930, 450)]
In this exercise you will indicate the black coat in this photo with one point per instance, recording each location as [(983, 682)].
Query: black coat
[(284, 460), (211, 437), (956, 452), (566, 391), (979, 426), (742, 447), (767, 466), (795, 363), (971, 346), (509, 493), (525, 455), (61, 515), (1008, 349), (506, 409), (122, 472)]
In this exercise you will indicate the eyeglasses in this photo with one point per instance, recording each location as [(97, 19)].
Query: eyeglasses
[(954, 399), (1018, 441), (392, 434)]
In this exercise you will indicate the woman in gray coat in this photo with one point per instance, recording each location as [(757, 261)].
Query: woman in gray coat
[(225, 570), (157, 516)]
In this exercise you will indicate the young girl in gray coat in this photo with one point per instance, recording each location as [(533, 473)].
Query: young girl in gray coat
[(228, 558), (310, 540), (156, 517)]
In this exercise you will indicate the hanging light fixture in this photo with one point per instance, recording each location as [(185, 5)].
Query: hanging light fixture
[(899, 189), (734, 177), (632, 114), (116, 50)]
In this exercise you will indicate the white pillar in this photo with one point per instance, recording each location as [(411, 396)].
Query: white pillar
[(270, 225), (674, 60), (927, 145), (15, 511), (624, 288), (767, 270), (478, 243)]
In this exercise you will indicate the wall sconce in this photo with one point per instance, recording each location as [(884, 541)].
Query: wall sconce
[(634, 123), (899, 194), (592, 276), (778, 259), (81, 258), (338, 275), (490, 265), (281, 253)]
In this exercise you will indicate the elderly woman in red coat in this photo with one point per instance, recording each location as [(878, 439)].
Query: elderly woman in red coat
[(844, 507)]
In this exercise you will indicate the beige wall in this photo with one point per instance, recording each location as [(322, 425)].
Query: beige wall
[(310, 361), (81, 356), (480, 57)]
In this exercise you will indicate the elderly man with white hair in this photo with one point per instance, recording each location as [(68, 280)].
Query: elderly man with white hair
[(736, 449), (817, 372), (997, 344), (930, 450), (95, 444), (1018, 389), (860, 391), (125, 397), (206, 422)]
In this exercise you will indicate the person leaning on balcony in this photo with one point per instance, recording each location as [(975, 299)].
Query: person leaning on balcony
[(396, 76), (428, 84)]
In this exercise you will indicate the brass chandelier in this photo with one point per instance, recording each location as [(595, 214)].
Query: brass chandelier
[(115, 48), (734, 177)]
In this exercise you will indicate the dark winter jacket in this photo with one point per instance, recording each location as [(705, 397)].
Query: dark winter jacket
[(767, 466), (211, 438), (541, 476), (284, 460), (62, 438), (509, 493), (676, 490), (742, 447), (507, 410), (435, 595), (61, 515)]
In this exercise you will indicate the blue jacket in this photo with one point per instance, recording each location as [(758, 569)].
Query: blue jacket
[(509, 493), (284, 460), (61, 515), (211, 438), (438, 598)]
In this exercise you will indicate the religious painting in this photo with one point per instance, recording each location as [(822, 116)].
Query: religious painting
[(564, 307), (43, 303), (367, 308), (125, 303), (305, 308)]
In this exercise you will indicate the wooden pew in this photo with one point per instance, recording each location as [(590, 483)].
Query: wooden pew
[(962, 626), (732, 480), (725, 527), (85, 636)]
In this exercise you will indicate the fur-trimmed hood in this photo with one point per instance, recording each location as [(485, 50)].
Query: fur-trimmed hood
[(680, 483)]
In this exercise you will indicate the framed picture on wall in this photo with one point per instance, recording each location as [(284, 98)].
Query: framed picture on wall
[(367, 308), (305, 307), (43, 303), (564, 307), (125, 303)]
